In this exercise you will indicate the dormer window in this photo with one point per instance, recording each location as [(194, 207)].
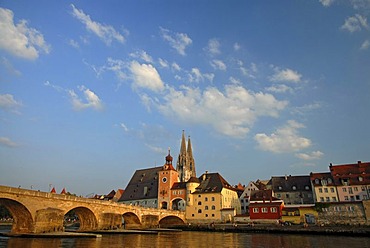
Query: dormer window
[(280, 188), (345, 182), (324, 182), (317, 181), (306, 187), (294, 188), (329, 180), (360, 179)]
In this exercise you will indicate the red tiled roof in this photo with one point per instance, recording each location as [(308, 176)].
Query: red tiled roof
[(356, 174)]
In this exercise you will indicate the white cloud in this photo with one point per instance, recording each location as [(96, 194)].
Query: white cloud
[(285, 75), (196, 76), (9, 67), (230, 113), (306, 108), (218, 65), (213, 47), (7, 102), (176, 67), (142, 55), (365, 45), (237, 46), (91, 100), (326, 3), (146, 76), (73, 43), (355, 23), (280, 88), (310, 156), (124, 127), (163, 63), (20, 40), (285, 139), (105, 32), (7, 142), (178, 41)]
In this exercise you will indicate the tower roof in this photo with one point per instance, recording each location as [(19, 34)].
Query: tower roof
[(183, 143)]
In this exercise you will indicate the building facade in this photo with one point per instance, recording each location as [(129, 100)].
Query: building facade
[(323, 187)]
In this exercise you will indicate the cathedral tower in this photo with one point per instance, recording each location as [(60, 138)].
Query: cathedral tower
[(185, 162)]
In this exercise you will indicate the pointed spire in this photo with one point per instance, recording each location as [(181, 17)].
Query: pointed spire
[(189, 150), (183, 143)]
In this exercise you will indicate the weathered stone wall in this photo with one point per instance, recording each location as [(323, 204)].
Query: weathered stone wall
[(342, 214), (366, 205)]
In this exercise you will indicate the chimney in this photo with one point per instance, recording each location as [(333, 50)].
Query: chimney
[(205, 175), (286, 177), (359, 162)]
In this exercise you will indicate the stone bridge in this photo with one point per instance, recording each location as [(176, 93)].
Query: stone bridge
[(39, 212)]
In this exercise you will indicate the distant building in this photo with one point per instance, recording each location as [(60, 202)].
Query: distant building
[(264, 206), (245, 196), (211, 199), (352, 181), (323, 187), (292, 189)]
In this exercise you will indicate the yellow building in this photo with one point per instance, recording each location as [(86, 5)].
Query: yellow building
[(300, 214), (323, 187), (210, 198)]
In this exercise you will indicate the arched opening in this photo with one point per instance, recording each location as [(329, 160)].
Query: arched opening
[(20, 216), (130, 221), (178, 204), (171, 222), (164, 205), (80, 219)]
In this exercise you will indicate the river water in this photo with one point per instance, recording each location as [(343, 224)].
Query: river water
[(191, 239)]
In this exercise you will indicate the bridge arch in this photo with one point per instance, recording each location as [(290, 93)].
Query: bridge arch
[(170, 221), (22, 217), (130, 220), (86, 217)]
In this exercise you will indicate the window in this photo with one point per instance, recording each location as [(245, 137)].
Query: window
[(199, 203), (213, 207), (213, 199), (346, 198), (317, 181), (350, 190), (360, 179), (273, 210), (329, 180), (326, 190), (334, 199), (287, 195), (206, 208), (280, 188), (278, 195), (192, 215), (206, 199), (320, 190), (256, 210), (206, 215), (328, 199), (357, 197), (307, 187), (294, 188), (332, 190), (264, 210), (199, 211), (213, 215), (355, 189), (352, 198), (321, 199), (324, 182), (344, 190)]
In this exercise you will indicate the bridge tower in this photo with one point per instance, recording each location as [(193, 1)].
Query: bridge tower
[(166, 178)]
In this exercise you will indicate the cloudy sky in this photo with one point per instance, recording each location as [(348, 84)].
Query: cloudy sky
[(90, 92)]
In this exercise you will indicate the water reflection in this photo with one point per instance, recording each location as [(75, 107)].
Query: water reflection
[(192, 239)]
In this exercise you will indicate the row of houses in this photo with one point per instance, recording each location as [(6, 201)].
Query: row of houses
[(209, 198)]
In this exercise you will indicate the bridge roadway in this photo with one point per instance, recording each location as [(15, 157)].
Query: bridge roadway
[(42, 212)]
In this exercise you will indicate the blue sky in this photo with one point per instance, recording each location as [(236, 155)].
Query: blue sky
[(92, 91)]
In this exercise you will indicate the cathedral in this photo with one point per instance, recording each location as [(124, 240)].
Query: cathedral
[(185, 162), (163, 187)]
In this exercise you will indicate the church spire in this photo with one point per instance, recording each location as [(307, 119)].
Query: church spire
[(185, 163)]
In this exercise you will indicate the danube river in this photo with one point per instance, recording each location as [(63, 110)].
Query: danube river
[(192, 239)]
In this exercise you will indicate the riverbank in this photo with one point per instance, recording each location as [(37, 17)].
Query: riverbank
[(361, 231)]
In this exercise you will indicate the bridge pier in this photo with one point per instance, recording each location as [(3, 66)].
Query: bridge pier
[(49, 220), (110, 221)]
